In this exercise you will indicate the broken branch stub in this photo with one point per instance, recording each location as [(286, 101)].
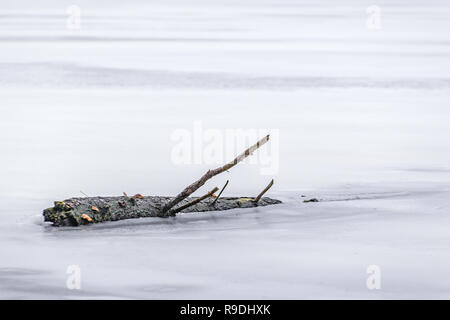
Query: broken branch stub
[(208, 175), (264, 191)]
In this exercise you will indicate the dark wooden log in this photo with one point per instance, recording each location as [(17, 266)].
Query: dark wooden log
[(87, 210)]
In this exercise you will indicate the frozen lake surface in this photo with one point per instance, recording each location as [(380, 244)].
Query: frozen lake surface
[(364, 125)]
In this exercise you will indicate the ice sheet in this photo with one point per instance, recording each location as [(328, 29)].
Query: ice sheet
[(363, 119)]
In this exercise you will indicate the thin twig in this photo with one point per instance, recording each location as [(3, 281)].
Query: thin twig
[(84, 193), (209, 194), (264, 191), (226, 183), (208, 175)]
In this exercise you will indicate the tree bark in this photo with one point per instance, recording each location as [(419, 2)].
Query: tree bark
[(87, 210)]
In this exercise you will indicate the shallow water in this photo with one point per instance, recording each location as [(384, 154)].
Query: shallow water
[(363, 122)]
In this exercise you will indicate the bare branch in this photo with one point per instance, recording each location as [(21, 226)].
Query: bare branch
[(208, 175), (187, 205), (226, 183), (262, 192)]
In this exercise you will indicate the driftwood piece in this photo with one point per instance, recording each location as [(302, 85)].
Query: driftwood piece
[(87, 210), (78, 211)]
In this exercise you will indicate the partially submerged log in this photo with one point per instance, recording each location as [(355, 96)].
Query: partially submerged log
[(78, 211), (86, 210)]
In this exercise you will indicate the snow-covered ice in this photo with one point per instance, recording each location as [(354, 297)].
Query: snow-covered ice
[(364, 123)]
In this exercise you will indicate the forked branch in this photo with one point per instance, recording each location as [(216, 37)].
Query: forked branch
[(208, 175), (187, 205)]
